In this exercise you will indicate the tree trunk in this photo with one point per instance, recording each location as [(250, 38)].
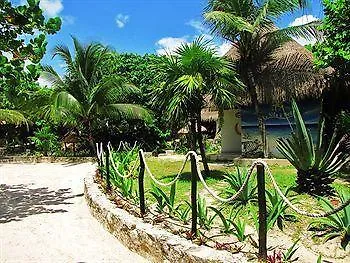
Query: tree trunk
[(260, 116), (193, 135), (202, 147), (90, 138)]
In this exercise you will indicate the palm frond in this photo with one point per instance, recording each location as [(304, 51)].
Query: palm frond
[(52, 76), (12, 117), (127, 111)]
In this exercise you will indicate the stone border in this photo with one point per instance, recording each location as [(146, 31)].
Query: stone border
[(43, 159), (150, 241)]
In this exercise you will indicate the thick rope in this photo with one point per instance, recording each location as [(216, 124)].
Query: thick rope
[(116, 166), (296, 209), (225, 200), (155, 179), (100, 153)]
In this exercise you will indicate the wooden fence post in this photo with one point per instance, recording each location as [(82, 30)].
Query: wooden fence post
[(262, 214), (108, 181), (194, 177), (141, 186)]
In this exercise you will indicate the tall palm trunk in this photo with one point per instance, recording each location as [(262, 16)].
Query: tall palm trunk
[(201, 146), (260, 116), (90, 138)]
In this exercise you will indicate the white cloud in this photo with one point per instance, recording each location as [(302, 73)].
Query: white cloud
[(43, 82), (51, 7), (224, 48), (121, 20), (68, 20), (198, 25), (169, 44), (302, 21)]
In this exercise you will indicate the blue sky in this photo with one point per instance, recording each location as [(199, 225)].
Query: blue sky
[(140, 26)]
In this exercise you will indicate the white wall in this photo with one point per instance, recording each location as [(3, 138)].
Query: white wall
[(231, 132)]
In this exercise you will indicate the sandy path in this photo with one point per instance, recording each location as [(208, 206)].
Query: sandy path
[(44, 218)]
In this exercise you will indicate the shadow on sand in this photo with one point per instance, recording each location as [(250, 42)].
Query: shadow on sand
[(20, 201)]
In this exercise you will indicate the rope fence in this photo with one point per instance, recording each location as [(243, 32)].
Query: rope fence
[(261, 166)]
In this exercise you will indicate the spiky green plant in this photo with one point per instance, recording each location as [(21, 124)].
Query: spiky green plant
[(235, 181), (277, 206), (164, 200), (315, 162), (336, 225), (205, 219)]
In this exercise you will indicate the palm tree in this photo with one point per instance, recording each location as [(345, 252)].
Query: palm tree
[(193, 76), (86, 95), (250, 27), (12, 117)]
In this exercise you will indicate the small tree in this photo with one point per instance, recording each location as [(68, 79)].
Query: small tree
[(192, 76), (22, 46), (85, 98)]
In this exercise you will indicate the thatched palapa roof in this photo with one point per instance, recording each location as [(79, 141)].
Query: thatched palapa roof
[(285, 81)]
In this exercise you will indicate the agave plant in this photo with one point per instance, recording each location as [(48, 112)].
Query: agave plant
[(235, 181), (315, 162), (277, 206), (336, 225)]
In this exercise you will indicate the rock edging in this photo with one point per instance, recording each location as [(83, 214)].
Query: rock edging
[(150, 241), (43, 159)]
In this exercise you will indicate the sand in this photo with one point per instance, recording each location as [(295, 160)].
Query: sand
[(44, 217)]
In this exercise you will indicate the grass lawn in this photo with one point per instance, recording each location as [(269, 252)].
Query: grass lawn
[(166, 170)]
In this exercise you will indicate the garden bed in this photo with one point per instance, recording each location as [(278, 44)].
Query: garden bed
[(150, 241)]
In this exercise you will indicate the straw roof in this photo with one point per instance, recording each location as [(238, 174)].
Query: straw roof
[(284, 81), (209, 115)]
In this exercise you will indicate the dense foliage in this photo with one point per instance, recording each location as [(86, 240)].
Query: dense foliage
[(23, 40), (333, 53), (334, 50)]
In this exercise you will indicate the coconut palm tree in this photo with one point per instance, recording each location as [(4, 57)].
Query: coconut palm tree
[(194, 75), (267, 74), (86, 96)]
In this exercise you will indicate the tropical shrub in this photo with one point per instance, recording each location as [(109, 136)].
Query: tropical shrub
[(227, 222), (235, 181), (315, 162), (204, 218), (336, 225), (183, 211), (164, 200), (277, 206), (46, 141), (124, 160), (233, 224)]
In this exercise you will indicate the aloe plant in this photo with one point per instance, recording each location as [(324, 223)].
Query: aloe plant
[(277, 206), (204, 218), (164, 200), (235, 181), (182, 211), (336, 225), (315, 162)]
